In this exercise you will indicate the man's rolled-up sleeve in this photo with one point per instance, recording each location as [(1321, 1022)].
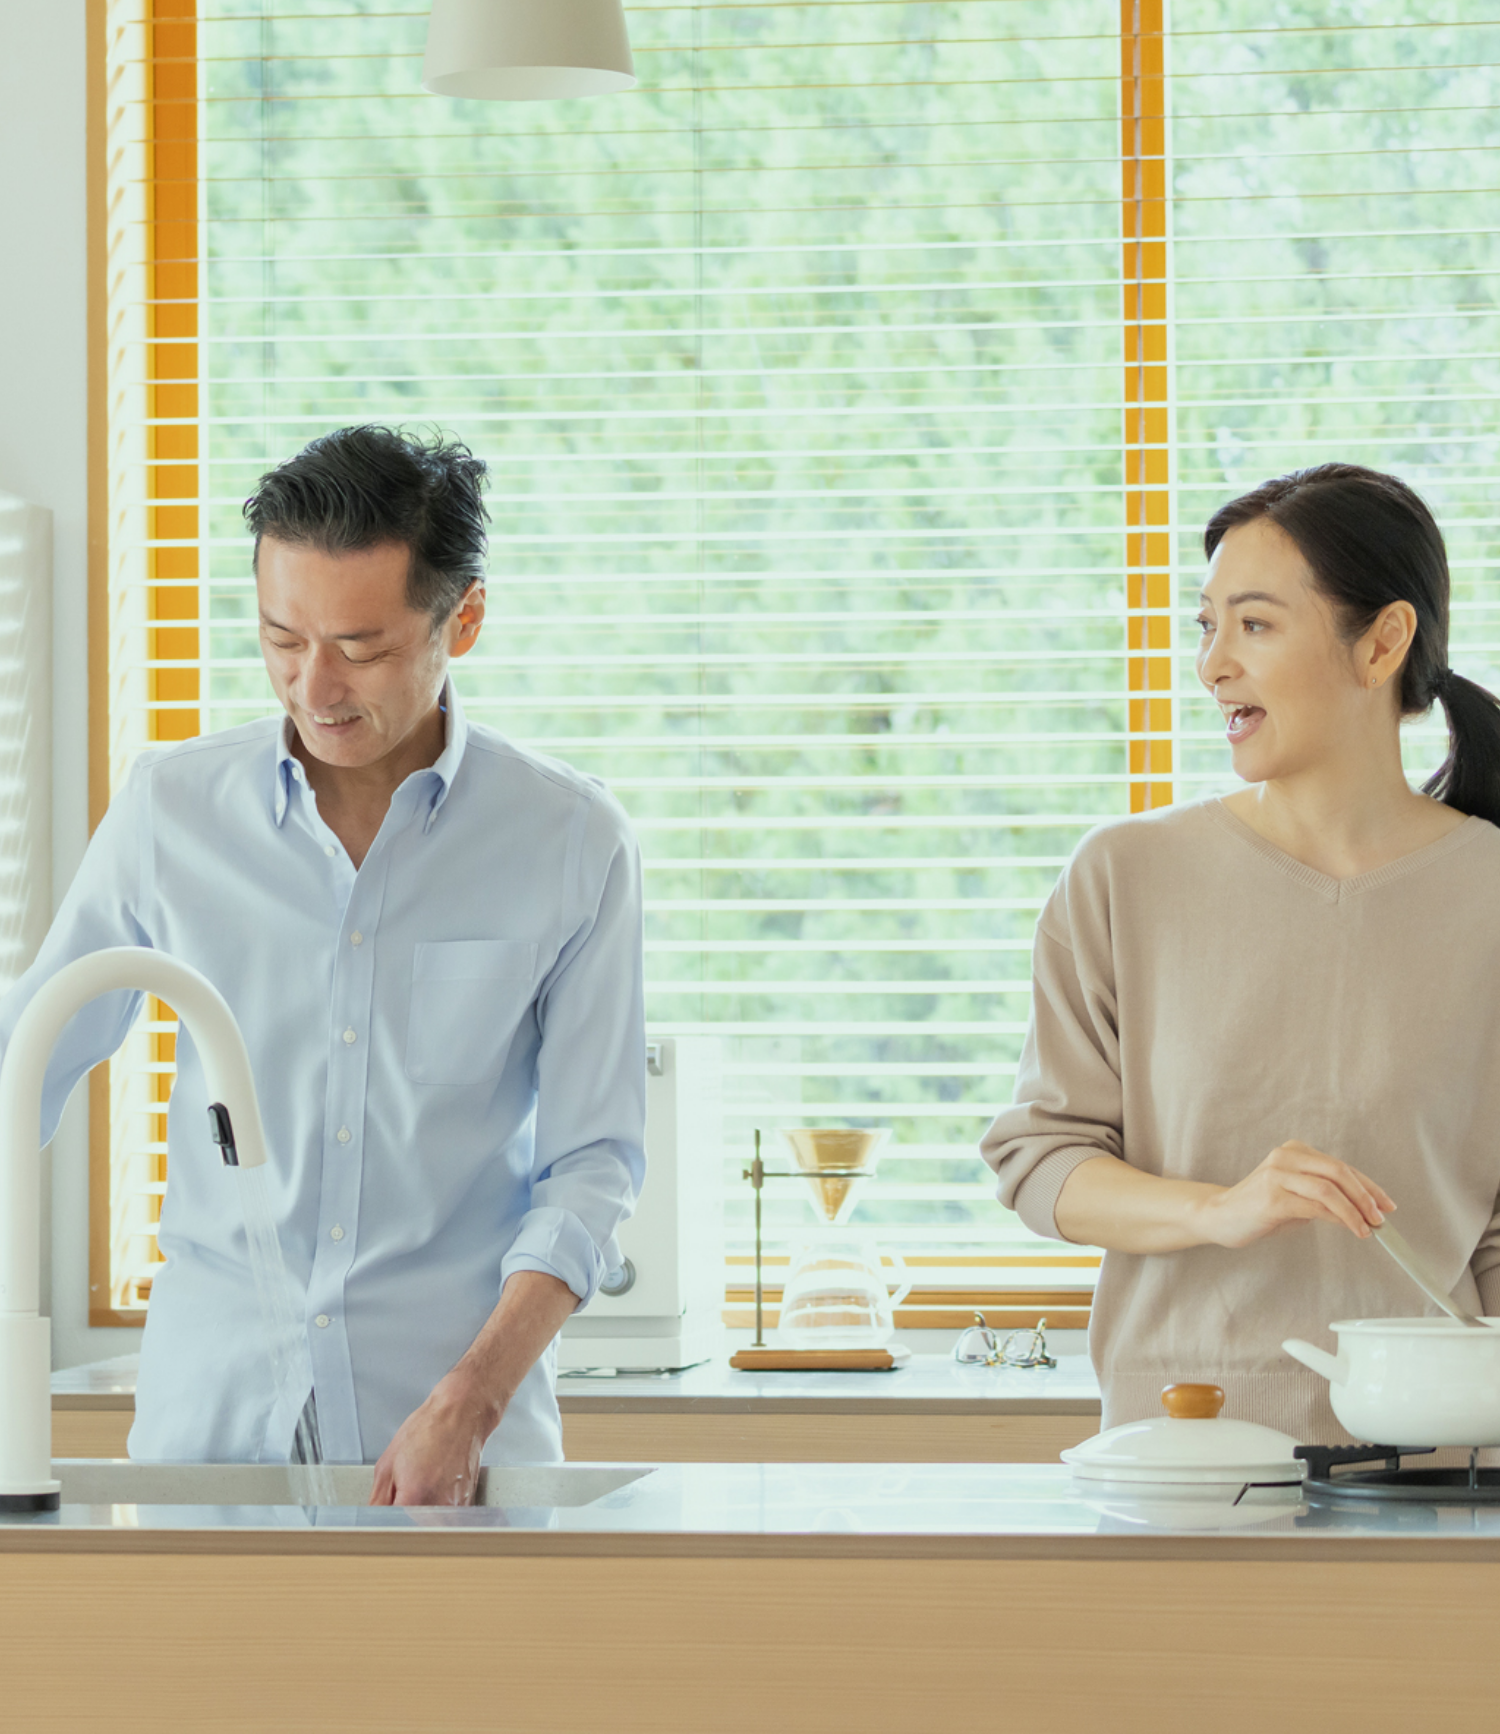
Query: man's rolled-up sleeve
[(1069, 1105), (591, 1070)]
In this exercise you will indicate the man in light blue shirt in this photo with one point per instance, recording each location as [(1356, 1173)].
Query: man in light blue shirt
[(432, 942)]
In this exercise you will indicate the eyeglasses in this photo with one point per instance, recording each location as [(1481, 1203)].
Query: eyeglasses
[(978, 1346)]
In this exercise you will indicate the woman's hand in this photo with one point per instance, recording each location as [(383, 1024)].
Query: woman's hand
[(1295, 1183), (1105, 1202)]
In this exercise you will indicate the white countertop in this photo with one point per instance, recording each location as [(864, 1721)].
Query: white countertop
[(932, 1383), (932, 1510)]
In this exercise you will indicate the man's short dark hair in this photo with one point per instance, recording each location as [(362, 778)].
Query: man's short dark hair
[(360, 486)]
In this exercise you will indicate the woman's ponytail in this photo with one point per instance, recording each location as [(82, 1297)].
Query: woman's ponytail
[(1469, 778), (1371, 541)]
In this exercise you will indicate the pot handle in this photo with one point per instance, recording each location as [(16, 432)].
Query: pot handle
[(1318, 1359)]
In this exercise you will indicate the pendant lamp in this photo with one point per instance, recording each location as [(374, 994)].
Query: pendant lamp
[(527, 50)]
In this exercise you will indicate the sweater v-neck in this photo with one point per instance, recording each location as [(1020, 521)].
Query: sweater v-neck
[(1324, 884)]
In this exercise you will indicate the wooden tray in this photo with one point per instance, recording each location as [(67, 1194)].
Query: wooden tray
[(819, 1360)]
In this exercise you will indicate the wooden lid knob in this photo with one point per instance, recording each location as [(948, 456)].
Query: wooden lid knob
[(1193, 1402)]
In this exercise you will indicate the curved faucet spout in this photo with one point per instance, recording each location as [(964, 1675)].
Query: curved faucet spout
[(216, 1035), (25, 1352)]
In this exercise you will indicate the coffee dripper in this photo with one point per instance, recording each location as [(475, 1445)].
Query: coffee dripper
[(837, 1308)]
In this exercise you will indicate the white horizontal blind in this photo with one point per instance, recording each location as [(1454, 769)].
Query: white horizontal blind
[(799, 375), (25, 732), (1337, 238), (136, 1146)]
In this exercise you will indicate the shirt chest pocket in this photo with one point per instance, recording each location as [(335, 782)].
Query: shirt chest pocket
[(467, 997)]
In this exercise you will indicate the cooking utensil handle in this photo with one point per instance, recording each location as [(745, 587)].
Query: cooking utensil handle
[(1396, 1245), (1318, 1359)]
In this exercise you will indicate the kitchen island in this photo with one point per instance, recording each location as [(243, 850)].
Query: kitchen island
[(929, 1411), (734, 1597)]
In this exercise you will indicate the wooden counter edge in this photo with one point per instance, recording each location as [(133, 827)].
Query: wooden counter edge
[(501, 1543)]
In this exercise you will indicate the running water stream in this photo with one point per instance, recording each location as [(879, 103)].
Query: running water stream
[(286, 1335)]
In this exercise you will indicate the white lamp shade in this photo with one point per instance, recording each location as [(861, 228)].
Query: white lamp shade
[(527, 50)]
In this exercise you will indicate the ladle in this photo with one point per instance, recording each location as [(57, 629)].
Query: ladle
[(1411, 1262)]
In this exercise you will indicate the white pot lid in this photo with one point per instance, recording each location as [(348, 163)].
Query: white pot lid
[(1137, 1506), (1191, 1444)]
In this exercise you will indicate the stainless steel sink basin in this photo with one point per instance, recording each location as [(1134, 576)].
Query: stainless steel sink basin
[(120, 1482)]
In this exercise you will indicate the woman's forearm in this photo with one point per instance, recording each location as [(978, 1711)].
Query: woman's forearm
[(1105, 1202)]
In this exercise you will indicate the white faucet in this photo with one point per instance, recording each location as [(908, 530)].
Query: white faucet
[(26, 1482)]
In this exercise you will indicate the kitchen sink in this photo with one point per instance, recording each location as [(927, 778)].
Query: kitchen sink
[(121, 1482)]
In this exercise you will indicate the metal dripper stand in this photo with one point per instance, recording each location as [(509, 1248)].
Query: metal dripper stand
[(832, 1161)]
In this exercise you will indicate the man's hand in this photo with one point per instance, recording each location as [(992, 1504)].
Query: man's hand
[(434, 1457)]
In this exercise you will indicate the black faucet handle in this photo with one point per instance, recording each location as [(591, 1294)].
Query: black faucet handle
[(222, 1130)]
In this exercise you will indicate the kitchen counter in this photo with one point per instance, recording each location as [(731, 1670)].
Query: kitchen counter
[(930, 1410), (732, 1597), (933, 1384), (948, 1511)]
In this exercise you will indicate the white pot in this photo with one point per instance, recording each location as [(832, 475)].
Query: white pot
[(1411, 1381), (1190, 1447)]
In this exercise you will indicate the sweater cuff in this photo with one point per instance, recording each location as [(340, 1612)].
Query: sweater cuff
[(1035, 1200)]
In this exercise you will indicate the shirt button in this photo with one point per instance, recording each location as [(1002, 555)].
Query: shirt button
[(356, 938), (322, 1321), (335, 1233), (344, 1134), (349, 1038), (328, 849)]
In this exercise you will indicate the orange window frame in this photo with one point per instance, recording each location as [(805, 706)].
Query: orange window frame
[(1147, 429), (174, 518)]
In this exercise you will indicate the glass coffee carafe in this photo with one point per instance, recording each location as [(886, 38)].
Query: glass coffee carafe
[(838, 1296)]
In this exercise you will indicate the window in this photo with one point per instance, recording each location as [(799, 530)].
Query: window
[(854, 392)]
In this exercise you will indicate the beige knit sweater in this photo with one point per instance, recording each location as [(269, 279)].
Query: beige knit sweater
[(1202, 997)]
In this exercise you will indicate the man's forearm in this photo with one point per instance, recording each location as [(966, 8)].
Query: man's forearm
[(530, 1313)]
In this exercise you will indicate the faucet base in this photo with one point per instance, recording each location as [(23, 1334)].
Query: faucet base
[(23, 1502)]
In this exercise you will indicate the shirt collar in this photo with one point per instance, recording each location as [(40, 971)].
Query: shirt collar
[(440, 773), (456, 739)]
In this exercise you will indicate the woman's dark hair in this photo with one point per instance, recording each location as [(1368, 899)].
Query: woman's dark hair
[(361, 486), (1371, 541)]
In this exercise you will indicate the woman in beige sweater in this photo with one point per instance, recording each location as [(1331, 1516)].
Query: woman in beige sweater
[(1261, 1022)]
